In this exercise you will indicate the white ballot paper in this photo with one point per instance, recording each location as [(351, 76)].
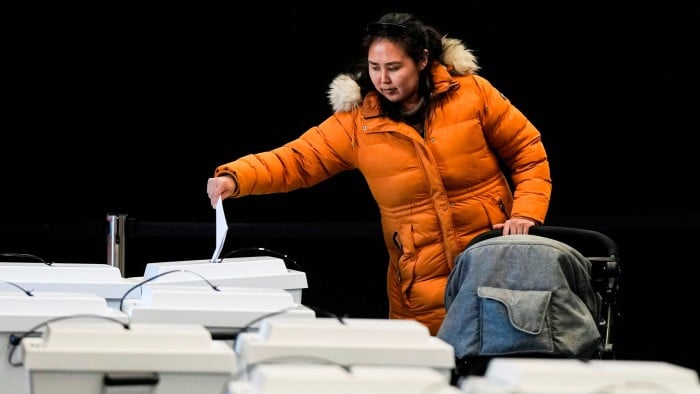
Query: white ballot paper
[(221, 230)]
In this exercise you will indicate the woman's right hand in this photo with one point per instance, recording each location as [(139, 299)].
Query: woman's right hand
[(220, 187)]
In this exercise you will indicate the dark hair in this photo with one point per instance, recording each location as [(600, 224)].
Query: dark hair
[(414, 37)]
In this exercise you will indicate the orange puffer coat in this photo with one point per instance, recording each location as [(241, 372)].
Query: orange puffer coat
[(434, 193)]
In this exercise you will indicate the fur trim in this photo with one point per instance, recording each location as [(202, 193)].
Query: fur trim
[(344, 92), (457, 55)]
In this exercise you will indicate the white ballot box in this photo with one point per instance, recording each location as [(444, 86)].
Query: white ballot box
[(224, 311), (571, 376), (325, 379), (25, 315), (73, 358), (101, 279), (254, 271), (346, 342)]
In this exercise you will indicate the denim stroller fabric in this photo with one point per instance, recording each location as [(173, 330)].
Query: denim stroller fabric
[(521, 295)]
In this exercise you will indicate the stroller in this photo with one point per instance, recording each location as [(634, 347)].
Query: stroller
[(550, 293)]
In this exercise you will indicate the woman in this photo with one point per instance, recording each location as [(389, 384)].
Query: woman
[(436, 143)]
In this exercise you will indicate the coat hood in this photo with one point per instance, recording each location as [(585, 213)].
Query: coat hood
[(344, 92)]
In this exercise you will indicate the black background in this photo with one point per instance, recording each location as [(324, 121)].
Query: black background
[(128, 106)]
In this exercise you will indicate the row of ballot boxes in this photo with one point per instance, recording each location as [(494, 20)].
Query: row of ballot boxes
[(82, 357), (239, 327), (197, 327), (286, 356), (106, 281)]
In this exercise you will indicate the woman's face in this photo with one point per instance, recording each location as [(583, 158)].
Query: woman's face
[(394, 74)]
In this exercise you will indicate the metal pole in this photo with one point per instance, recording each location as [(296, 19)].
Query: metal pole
[(116, 240)]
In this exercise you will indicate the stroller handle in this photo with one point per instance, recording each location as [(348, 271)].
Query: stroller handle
[(558, 232)]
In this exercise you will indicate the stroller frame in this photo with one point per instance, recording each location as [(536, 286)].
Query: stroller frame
[(603, 253)]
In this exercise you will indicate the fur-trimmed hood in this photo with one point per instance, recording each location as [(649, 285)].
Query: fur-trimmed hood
[(344, 91)]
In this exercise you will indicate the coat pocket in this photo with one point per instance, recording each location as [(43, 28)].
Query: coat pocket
[(514, 321)]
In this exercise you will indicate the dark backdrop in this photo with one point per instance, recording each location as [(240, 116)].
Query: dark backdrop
[(128, 106)]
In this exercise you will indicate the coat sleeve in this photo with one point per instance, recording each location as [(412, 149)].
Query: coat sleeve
[(518, 144), (319, 153)]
